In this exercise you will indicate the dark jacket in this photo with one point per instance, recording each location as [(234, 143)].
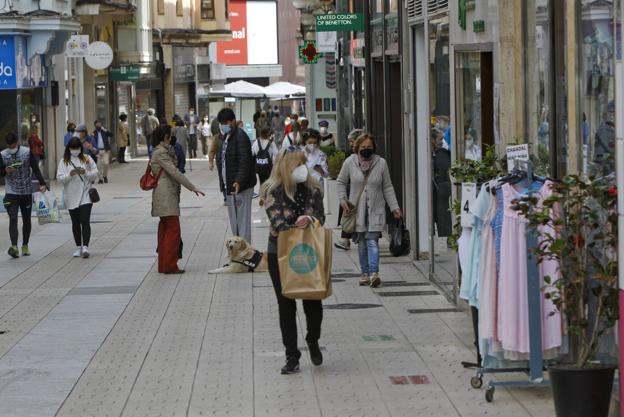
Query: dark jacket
[(240, 164), (106, 135)]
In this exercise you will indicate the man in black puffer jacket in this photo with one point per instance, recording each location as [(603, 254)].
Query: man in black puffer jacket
[(238, 173)]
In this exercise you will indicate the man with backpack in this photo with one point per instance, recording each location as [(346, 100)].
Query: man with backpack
[(264, 150)]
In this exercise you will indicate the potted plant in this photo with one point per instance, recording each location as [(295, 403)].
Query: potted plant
[(583, 213)]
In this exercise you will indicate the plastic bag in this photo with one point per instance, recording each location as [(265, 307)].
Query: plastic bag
[(47, 208)]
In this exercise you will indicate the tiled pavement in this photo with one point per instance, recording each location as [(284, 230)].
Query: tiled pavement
[(108, 336)]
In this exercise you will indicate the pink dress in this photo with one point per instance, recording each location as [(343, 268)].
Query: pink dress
[(488, 288)]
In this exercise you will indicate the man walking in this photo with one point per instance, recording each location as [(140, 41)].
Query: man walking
[(192, 121), (19, 166), (238, 175), (277, 125), (149, 123), (89, 147), (102, 139)]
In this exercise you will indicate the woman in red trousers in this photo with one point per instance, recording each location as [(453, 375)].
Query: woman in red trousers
[(166, 200)]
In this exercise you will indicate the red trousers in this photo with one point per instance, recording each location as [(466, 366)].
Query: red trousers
[(169, 244)]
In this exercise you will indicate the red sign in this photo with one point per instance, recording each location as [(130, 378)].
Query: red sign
[(234, 52)]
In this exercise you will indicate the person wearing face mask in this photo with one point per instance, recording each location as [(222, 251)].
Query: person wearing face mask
[(369, 177), (472, 151), (444, 126), (20, 165), (77, 171), (327, 139), (204, 132), (166, 200), (316, 158), (89, 146), (293, 199), (71, 133), (238, 176)]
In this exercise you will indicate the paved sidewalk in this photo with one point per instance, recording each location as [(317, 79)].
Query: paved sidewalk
[(108, 336)]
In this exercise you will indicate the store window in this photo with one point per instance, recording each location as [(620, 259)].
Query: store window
[(597, 98), (207, 9), (393, 6), (469, 132)]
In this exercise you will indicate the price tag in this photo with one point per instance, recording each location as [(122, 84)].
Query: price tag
[(468, 198), (516, 152)]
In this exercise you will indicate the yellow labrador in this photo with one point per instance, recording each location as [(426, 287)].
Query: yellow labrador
[(242, 258)]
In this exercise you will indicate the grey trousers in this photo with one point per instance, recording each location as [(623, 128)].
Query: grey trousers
[(240, 216)]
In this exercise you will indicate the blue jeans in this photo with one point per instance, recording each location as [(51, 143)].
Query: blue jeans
[(369, 256)]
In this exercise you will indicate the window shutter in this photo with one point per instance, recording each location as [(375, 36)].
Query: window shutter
[(437, 6), (414, 9)]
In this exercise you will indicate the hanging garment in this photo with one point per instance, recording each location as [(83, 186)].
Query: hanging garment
[(488, 286)]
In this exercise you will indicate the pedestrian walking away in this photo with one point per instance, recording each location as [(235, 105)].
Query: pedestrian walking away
[(149, 123), (345, 238), (371, 189), (192, 123), (265, 151), (316, 158), (123, 138), (166, 200), (77, 172), (182, 136), (277, 124), (238, 173), (36, 145), (102, 139), (20, 165), (293, 199)]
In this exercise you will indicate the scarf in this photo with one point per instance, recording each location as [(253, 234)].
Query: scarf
[(365, 164)]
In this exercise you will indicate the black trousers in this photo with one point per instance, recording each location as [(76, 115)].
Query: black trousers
[(288, 313), (81, 224), (263, 177), (14, 204), (121, 154)]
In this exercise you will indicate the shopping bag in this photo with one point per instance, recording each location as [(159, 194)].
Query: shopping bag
[(305, 263), (61, 204), (399, 239), (47, 209)]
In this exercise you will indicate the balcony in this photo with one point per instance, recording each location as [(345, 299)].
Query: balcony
[(108, 7)]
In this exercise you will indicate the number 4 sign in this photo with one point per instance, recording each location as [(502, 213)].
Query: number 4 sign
[(468, 198)]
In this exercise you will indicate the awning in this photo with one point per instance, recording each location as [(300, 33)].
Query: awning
[(284, 89), (240, 89)]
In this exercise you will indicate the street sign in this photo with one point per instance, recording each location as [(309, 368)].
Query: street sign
[(124, 73), (308, 52), (77, 46), (8, 79), (340, 22)]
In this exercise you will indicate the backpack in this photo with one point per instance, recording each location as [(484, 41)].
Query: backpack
[(264, 162)]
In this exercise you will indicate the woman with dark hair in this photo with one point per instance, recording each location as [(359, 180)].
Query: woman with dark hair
[(77, 171), (71, 132), (166, 200)]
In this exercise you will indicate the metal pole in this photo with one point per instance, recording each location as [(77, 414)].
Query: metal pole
[(619, 158)]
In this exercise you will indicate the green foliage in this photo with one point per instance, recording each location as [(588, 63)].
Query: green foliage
[(329, 150), (335, 162), (583, 213)]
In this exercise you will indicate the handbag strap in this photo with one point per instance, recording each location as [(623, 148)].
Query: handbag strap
[(357, 201), (149, 169)]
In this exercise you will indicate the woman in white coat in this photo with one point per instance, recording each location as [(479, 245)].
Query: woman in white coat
[(77, 171), (316, 158)]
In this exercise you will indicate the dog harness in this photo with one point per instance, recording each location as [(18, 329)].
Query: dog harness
[(253, 262)]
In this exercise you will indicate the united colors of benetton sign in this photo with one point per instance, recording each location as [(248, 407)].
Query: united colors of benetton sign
[(340, 22)]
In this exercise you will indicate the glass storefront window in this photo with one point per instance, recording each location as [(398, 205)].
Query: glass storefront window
[(468, 80), (393, 6)]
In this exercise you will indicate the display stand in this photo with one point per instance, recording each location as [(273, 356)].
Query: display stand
[(535, 370)]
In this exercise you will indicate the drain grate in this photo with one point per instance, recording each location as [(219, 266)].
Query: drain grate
[(337, 280), (433, 310), (404, 284), (192, 207), (405, 293), (350, 306), (346, 275), (100, 221), (127, 198)]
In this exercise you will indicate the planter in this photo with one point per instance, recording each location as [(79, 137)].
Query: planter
[(584, 392)]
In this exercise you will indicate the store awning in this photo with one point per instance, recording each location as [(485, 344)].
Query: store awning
[(284, 89), (240, 89)]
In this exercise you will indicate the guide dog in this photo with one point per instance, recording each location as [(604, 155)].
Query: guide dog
[(243, 258)]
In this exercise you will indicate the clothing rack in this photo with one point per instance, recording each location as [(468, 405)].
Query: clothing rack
[(535, 370)]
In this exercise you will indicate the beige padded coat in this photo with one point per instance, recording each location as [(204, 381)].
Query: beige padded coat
[(166, 195)]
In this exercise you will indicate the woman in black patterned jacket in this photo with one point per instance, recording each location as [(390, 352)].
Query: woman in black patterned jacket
[(293, 199)]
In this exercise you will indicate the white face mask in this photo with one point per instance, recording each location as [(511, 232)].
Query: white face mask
[(310, 147), (300, 174), (74, 152), (323, 130)]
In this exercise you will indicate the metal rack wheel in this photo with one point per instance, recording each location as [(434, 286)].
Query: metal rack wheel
[(476, 381), (489, 394)]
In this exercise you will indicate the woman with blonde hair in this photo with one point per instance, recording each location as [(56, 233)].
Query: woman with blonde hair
[(370, 190), (293, 199)]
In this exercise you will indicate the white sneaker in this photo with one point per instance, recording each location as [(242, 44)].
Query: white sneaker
[(78, 252), (85, 252)]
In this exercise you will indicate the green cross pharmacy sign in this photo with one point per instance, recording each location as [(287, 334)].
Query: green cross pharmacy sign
[(340, 22)]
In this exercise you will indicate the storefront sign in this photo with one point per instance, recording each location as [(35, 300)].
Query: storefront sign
[(124, 73), (7, 63), (468, 198), (77, 46), (308, 52), (478, 26), (358, 56), (326, 42), (516, 153), (464, 6), (340, 22), (99, 55)]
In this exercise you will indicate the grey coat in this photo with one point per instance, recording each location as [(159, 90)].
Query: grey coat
[(378, 192), (166, 195)]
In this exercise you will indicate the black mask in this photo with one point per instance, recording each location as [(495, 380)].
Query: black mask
[(366, 153)]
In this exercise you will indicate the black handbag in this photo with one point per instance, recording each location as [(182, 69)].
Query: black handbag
[(400, 244)]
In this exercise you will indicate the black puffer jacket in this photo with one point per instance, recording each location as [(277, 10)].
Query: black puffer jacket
[(240, 165)]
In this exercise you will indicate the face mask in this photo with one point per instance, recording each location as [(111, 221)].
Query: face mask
[(323, 130), (205, 119), (311, 147), (225, 129), (192, 113), (469, 143), (300, 174), (74, 152), (366, 153)]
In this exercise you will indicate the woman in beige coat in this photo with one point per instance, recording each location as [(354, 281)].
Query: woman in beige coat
[(123, 138), (166, 200)]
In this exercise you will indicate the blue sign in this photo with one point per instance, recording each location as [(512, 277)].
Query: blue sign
[(303, 259), (7, 63)]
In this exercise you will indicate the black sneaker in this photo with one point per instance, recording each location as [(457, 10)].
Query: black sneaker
[(315, 353), (101, 182), (105, 180), (291, 367), (13, 252)]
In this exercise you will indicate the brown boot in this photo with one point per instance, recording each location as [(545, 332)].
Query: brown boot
[(364, 280)]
